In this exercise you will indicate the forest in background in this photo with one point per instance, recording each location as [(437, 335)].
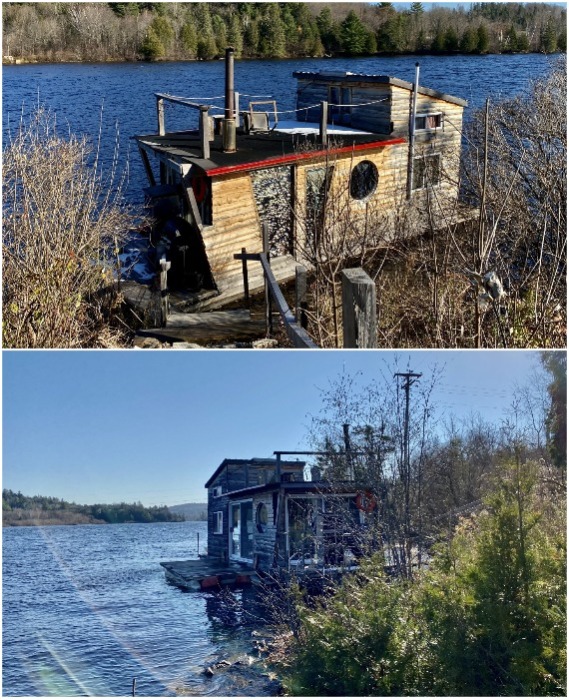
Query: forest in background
[(72, 31), (18, 509)]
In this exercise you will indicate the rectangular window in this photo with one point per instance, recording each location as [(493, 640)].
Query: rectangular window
[(218, 522), (428, 122), (426, 171), (217, 491)]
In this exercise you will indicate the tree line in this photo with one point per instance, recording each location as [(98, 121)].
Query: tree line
[(63, 31), (18, 509), (483, 505)]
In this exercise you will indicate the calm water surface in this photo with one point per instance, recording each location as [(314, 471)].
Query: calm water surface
[(116, 100), (87, 608)]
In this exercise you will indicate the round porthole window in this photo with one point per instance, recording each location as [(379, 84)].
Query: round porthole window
[(363, 180), (261, 517)]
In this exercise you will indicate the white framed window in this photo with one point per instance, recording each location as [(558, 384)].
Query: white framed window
[(217, 491), (429, 121), (427, 171), (218, 522)]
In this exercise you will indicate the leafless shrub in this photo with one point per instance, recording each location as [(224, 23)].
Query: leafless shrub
[(62, 230), (516, 170)]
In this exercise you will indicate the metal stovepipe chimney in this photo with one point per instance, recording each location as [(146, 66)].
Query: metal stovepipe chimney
[(229, 130)]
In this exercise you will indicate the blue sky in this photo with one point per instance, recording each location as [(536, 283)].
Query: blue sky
[(152, 426)]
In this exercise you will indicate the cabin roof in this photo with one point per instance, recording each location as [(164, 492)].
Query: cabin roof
[(348, 78), (254, 462), (296, 487), (256, 150)]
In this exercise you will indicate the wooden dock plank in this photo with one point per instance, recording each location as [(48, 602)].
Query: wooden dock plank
[(209, 327), (207, 573)]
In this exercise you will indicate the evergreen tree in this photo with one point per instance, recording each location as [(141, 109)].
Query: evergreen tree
[(272, 38), (483, 40), (421, 43), (163, 30), (251, 38), (438, 43), (329, 31), (151, 47), (392, 34), (291, 30), (207, 46), (235, 34), (220, 32), (354, 35), (371, 44), (189, 38), (523, 41), (548, 39), (451, 40), (469, 41), (417, 9)]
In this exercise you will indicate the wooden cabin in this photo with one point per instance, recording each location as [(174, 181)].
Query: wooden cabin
[(359, 144), (266, 514)]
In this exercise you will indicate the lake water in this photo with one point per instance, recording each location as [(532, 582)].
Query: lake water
[(87, 608), (116, 100)]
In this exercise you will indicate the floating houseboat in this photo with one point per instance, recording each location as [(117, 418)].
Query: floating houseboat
[(268, 516), (249, 181)]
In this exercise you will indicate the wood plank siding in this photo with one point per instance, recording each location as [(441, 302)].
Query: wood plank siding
[(255, 481), (235, 225)]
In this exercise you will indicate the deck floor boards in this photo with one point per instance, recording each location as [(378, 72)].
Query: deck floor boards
[(191, 573), (210, 327)]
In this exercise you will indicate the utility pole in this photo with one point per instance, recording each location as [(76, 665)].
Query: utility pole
[(409, 378)]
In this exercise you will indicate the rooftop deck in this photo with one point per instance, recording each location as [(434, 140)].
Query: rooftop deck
[(259, 149)]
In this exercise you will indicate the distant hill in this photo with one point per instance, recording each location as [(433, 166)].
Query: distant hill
[(190, 511), (18, 509)]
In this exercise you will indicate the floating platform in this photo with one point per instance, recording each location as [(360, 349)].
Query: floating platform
[(208, 574)]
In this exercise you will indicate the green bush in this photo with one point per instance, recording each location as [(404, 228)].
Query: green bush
[(487, 618)]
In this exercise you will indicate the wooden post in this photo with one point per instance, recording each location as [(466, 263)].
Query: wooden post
[(165, 265), (204, 131), (236, 111), (324, 124), (412, 120), (268, 303), (198, 534), (358, 309), (133, 692), (300, 289), (193, 208), (160, 115), (245, 277), (147, 166)]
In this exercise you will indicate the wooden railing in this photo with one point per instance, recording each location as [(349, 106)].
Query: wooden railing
[(273, 294), (359, 315), (204, 118)]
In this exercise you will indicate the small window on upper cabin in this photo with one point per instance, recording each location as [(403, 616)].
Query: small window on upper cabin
[(217, 491), (218, 522), (428, 122), (426, 171)]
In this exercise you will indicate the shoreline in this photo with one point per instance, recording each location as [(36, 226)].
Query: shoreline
[(55, 523), (122, 61)]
